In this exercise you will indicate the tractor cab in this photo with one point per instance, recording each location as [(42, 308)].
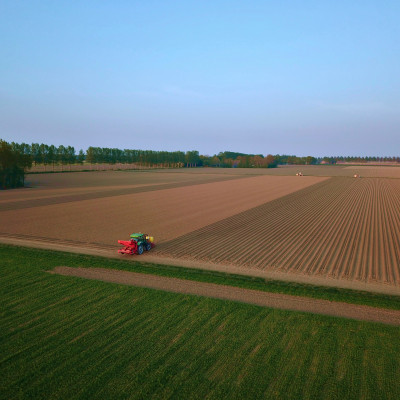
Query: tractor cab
[(142, 236), (137, 244), (137, 236)]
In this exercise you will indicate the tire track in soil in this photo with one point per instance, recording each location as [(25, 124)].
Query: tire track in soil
[(343, 228)]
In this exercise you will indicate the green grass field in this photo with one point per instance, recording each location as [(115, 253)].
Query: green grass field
[(49, 259), (66, 338)]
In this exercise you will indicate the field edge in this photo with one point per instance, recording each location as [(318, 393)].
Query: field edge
[(230, 278), (106, 252)]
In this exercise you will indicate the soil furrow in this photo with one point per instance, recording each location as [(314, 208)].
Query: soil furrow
[(341, 228)]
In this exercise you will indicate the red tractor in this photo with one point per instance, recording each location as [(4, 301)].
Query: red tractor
[(138, 243)]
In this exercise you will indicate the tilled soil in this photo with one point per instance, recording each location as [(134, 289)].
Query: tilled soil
[(340, 228), (164, 211), (274, 300), (372, 171), (345, 231)]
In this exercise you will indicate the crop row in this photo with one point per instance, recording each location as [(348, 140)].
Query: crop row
[(342, 228)]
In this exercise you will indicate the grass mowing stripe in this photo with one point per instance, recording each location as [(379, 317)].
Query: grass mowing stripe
[(212, 359), (48, 259), (99, 340)]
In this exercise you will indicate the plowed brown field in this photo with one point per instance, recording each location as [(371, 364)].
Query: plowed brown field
[(101, 184), (366, 171), (165, 210), (338, 227), (374, 171), (341, 228)]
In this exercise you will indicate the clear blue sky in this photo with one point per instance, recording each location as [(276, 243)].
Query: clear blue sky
[(289, 77)]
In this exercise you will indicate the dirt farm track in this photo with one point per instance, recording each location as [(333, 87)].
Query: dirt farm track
[(326, 225)]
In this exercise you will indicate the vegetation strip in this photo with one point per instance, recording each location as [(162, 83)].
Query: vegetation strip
[(286, 302), (49, 259), (96, 257), (73, 338)]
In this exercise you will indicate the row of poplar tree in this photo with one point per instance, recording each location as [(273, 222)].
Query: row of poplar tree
[(63, 155), (44, 154), (52, 155), (17, 157)]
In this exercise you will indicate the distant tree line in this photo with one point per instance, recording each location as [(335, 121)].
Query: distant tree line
[(357, 159), (228, 159), (46, 155), (17, 157), (309, 160), (106, 155), (50, 155), (12, 166)]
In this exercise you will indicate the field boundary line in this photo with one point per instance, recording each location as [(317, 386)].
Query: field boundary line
[(249, 296), (105, 251)]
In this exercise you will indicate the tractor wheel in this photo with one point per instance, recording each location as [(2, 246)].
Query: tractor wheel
[(140, 249), (148, 247)]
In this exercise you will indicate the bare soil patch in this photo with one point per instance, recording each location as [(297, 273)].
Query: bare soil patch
[(165, 213), (101, 179), (274, 300), (61, 188), (371, 171), (341, 228), (96, 194), (29, 194)]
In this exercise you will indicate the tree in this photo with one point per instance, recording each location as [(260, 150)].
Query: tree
[(90, 155), (258, 161), (13, 163), (70, 156), (80, 157), (215, 161), (35, 151), (52, 155), (311, 160), (192, 158), (270, 162), (62, 155)]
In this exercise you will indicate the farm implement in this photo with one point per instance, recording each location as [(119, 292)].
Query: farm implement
[(138, 243)]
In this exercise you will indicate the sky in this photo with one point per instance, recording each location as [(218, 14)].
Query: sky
[(304, 77)]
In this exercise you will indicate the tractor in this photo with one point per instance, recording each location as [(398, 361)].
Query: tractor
[(138, 243)]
